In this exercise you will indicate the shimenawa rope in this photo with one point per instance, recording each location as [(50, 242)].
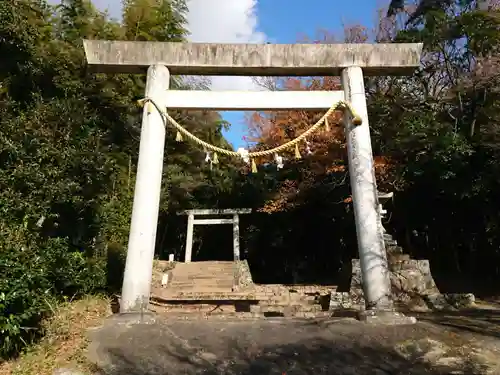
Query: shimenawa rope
[(356, 120)]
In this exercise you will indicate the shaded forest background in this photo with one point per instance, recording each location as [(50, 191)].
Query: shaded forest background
[(69, 144)]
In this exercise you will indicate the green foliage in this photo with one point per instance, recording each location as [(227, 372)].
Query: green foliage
[(68, 155), (155, 20), (35, 275), (438, 133), (439, 128)]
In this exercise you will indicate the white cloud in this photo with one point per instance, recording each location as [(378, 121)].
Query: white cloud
[(214, 21), (225, 21), (114, 7)]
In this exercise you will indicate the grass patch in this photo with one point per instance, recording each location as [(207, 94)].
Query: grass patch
[(65, 340)]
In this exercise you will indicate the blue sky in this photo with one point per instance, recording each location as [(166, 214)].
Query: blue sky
[(287, 21), (260, 21)]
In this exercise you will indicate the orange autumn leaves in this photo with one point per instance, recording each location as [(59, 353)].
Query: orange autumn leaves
[(271, 129), (328, 149)]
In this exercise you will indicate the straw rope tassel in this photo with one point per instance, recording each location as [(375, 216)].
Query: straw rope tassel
[(178, 137), (254, 166), (327, 125), (356, 120), (149, 106), (297, 152), (215, 158), (168, 119)]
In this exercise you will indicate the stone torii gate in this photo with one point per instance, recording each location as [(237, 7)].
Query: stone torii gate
[(192, 221), (160, 60)]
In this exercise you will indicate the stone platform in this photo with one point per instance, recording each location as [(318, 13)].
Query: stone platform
[(214, 289), (226, 289)]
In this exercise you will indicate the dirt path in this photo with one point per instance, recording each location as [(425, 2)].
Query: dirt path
[(333, 346)]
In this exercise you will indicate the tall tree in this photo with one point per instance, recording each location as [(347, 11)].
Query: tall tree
[(68, 154), (155, 20), (434, 134)]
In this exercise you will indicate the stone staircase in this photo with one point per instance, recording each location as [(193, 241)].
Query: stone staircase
[(413, 286), (226, 289), (201, 277)]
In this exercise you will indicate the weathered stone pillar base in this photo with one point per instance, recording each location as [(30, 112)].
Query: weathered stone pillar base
[(130, 318), (387, 317), (122, 321)]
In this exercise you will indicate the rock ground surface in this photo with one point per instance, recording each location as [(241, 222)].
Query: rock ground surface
[(437, 344)]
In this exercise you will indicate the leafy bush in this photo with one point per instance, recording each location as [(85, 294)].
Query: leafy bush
[(35, 275)]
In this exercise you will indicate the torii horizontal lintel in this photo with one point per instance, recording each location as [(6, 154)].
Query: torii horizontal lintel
[(216, 211), (252, 59)]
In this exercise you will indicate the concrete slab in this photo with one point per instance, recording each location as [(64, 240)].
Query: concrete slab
[(252, 59), (275, 346)]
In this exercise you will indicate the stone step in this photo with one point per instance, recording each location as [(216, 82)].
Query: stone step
[(229, 302), (188, 308), (199, 287), (206, 276), (393, 248), (212, 263), (286, 309), (195, 267), (198, 291), (205, 270), (200, 282), (295, 289), (287, 301), (210, 308), (202, 296), (201, 278), (213, 293), (230, 307), (395, 259), (239, 315)]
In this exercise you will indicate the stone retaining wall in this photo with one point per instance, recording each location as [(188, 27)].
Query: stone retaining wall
[(413, 288), (242, 276)]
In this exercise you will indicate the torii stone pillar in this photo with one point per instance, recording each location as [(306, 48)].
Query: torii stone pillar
[(372, 254), (142, 237), (351, 61)]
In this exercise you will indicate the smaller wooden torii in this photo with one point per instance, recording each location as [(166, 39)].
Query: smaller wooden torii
[(235, 220)]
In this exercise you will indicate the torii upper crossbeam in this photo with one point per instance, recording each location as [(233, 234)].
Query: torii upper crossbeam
[(252, 59)]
